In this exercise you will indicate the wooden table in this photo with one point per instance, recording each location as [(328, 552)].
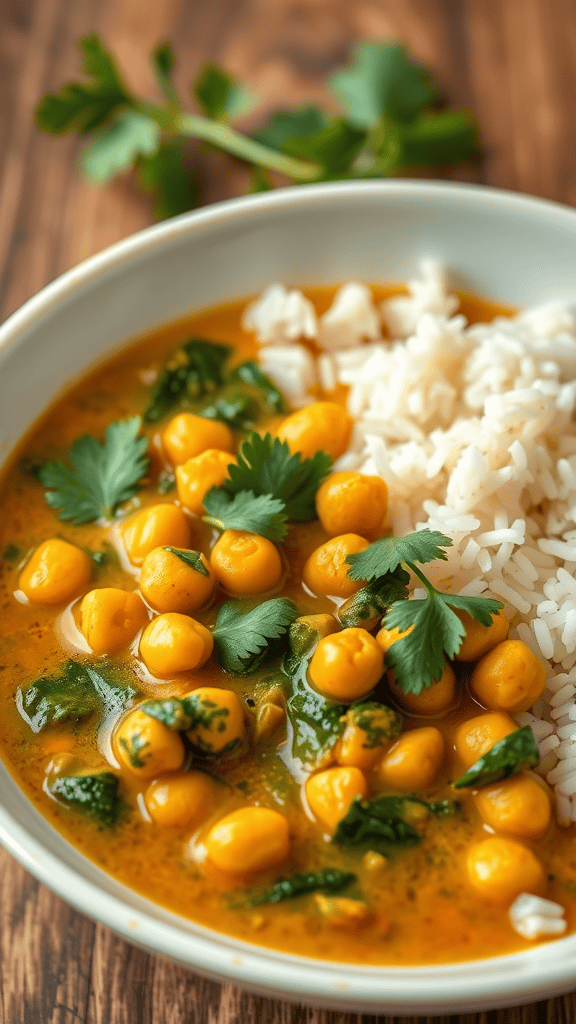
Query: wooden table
[(511, 61)]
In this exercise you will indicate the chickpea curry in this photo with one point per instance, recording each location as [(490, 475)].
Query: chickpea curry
[(217, 686)]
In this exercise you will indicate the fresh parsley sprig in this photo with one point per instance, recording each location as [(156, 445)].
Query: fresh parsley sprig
[(266, 465), (101, 476), (243, 638), (436, 632), (245, 511), (389, 122)]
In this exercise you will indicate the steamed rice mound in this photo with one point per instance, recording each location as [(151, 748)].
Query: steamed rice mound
[(473, 429)]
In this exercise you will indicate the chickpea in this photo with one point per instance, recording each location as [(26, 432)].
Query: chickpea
[(111, 618), (323, 426), (220, 724), (183, 799), (352, 503), (508, 678), (480, 639), (370, 729), (195, 477), (347, 665), (155, 527), (55, 573), (431, 700), (246, 563), (251, 839), (478, 735), (171, 584), (187, 436), (414, 760), (500, 869), (330, 793), (518, 806), (387, 637), (307, 630), (326, 570), (174, 643), (147, 747)]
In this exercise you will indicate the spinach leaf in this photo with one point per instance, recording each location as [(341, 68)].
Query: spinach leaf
[(236, 410), (512, 754), (196, 369), (170, 711), (250, 373), (379, 722), (94, 795), (316, 725), (373, 600), (76, 693), (384, 822), (327, 880)]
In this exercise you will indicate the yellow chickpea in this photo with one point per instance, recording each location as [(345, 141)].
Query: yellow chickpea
[(176, 580), (147, 747), (187, 436), (370, 729), (195, 477), (330, 793), (251, 839), (323, 426), (325, 572), (478, 735), (346, 665), (246, 563), (500, 869), (519, 806), (174, 643), (183, 799), (480, 639), (221, 723), (387, 637), (352, 503), (111, 618), (56, 573), (431, 700), (508, 678), (414, 761), (153, 528)]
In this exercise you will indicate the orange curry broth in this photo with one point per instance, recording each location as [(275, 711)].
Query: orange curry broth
[(425, 909)]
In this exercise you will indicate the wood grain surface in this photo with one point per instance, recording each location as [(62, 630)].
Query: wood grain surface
[(512, 61)]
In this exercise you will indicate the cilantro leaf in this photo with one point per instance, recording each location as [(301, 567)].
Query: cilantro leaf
[(195, 369), (220, 96), (383, 81), (419, 658), (168, 177), (266, 466), (373, 600), (115, 147), (290, 124), (94, 795), (510, 755), (444, 137), (191, 558), (326, 880), (245, 511), (386, 554), (104, 475), (334, 147), (84, 106), (163, 64), (243, 639)]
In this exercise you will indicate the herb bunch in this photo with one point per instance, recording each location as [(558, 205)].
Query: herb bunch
[(389, 122)]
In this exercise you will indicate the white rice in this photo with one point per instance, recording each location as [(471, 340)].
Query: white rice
[(531, 916), (473, 429)]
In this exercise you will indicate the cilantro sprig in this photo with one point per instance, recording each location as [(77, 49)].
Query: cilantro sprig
[(436, 631), (245, 511), (266, 465), (101, 476), (243, 638), (389, 121)]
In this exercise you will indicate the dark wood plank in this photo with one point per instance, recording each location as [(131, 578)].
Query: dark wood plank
[(511, 61)]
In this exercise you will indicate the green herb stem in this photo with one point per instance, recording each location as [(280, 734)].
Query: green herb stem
[(417, 572), (223, 137)]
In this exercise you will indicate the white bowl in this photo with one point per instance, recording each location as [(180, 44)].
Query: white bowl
[(500, 245)]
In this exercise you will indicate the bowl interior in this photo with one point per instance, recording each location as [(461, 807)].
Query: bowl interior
[(505, 247)]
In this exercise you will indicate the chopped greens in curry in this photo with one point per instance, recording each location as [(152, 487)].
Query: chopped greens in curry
[(219, 685)]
